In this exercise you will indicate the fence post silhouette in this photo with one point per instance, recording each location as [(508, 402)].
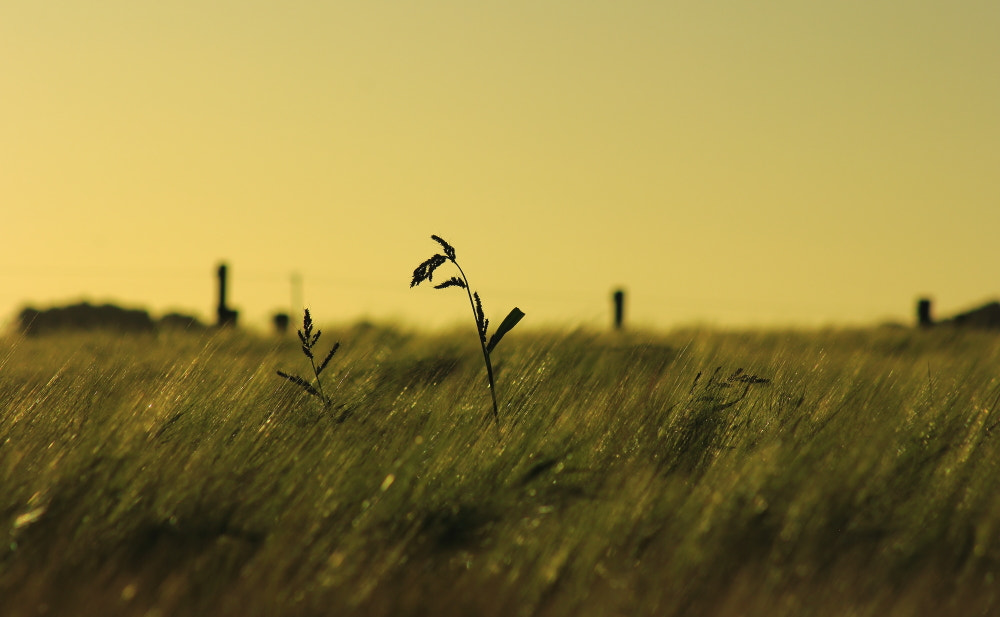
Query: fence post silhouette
[(225, 315), (924, 319), (619, 299)]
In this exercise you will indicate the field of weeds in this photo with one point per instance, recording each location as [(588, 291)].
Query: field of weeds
[(690, 473)]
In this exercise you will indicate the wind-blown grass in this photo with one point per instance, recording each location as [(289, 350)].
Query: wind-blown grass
[(174, 475)]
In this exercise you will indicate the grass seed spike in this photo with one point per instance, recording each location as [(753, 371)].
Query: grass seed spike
[(425, 272), (309, 341)]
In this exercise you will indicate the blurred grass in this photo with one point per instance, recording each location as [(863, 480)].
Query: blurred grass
[(176, 474)]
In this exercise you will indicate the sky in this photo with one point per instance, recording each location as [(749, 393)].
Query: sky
[(733, 163)]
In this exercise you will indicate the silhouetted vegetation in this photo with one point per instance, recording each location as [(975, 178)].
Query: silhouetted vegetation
[(425, 272), (309, 340), (986, 316), (84, 316)]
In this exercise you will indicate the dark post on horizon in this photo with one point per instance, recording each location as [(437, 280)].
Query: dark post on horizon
[(280, 321), (225, 315), (619, 298), (924, 313)]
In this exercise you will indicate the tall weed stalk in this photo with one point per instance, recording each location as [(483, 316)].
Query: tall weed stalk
[(309, 341), (425, 272)]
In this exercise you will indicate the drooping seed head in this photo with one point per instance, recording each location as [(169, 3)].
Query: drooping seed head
[(452, 282), (425, 271), (449, 250)]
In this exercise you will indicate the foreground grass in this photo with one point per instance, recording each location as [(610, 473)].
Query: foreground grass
[(177, 475)]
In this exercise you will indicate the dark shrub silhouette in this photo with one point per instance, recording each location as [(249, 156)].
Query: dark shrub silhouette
[(985, 316), (84, 316)]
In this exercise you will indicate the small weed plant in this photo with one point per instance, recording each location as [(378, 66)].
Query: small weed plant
[(425, 272), (309, 341), (702, 426), (713, 397)]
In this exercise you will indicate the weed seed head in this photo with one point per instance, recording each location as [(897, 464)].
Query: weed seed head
[(452, 282), (449, 250), (326, 360), (425, 271), (481, 320)]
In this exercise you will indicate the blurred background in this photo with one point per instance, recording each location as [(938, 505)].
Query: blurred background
[(729, 163)]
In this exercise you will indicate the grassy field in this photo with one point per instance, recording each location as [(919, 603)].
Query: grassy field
[(177, 474)]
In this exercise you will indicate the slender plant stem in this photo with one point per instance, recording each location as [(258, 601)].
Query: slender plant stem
[(319, 383), (482, 343)]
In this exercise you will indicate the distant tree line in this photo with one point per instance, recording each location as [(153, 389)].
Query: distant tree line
[(85, 316), (985, 316)]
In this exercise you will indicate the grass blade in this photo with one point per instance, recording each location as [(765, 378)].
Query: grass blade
[(305, 385), (508, 323)]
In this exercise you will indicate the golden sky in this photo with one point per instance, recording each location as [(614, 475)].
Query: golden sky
[(734, 163)]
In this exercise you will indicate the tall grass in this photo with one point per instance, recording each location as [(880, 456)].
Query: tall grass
[(174, 476)]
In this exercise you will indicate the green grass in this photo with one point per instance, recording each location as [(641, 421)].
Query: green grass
[(178, 475)]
